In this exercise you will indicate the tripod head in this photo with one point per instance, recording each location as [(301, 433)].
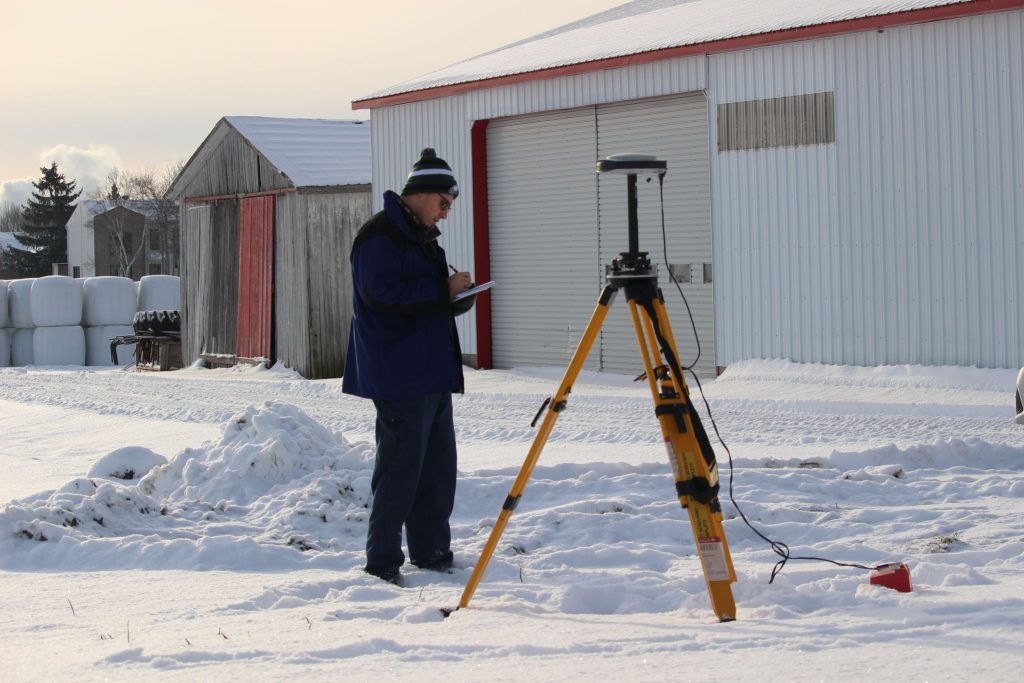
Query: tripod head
[(632, 265)]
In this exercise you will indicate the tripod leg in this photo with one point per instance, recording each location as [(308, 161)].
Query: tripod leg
[(690, 453), (555, 406)]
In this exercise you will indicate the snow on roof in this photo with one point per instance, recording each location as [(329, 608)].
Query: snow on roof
[(311, 152), (650, 25), (94, 207), (9, 239)]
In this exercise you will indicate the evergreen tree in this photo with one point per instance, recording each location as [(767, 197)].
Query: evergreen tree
[(46, 214)]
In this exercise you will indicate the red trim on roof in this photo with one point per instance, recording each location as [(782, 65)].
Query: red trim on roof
[(481, 243), (726, 45)]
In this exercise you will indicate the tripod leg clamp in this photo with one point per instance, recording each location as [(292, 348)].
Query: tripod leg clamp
[(676, 410), (558, 407), (699, 489)]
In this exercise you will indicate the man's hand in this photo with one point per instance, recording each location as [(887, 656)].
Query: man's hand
[(459, 282)]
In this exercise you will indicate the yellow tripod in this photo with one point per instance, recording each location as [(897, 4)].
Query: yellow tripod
[(689, 450)]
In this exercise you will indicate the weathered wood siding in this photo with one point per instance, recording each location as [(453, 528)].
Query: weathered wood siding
[(291, 295), (209, 273), (195, 228), (234, 168), (313, 295), (312, 237)]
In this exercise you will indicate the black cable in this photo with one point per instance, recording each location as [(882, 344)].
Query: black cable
[(778, 547), (664, 251)]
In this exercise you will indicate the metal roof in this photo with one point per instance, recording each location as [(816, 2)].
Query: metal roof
[(311, 152), (646, 26)]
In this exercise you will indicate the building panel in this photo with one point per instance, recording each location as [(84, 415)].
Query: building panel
[(899, 242)]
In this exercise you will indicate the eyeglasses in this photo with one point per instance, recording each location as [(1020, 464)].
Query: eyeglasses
[(445, 202)]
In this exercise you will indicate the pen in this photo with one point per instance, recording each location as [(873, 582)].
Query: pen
[(454, 269)]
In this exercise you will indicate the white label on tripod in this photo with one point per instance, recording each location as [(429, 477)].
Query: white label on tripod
[(672, 460), (712, 556)]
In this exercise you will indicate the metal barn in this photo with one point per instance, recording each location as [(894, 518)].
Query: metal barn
[(845, 179), (269, 209)]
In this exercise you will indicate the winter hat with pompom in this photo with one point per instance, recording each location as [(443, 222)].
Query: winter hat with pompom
[(431, 174)]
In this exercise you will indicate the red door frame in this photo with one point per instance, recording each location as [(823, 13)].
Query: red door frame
[(481, 243)]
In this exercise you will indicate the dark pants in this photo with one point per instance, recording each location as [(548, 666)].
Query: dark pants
[(413, 481)]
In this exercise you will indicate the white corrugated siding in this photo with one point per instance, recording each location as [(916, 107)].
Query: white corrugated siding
[(400, 132), (542, 194), (674, 129), (775, 218), (555, 224), (903, 241)]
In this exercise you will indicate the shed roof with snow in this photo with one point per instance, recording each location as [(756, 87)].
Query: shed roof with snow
[(647, 30), (305, 152)]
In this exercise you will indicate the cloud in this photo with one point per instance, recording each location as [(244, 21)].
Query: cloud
[(16, 191), (87, 166)]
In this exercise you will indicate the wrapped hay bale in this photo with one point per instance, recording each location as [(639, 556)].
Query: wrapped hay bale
[(64, 345), (3, 304), (97, 344), (159, 293), (5, 348), (56, 301), (108, 300), (21, 347), (19, 308)]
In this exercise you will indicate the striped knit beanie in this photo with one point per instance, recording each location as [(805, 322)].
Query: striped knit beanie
[(431, 174)]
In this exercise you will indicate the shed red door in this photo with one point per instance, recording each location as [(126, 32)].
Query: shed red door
[(255, 277)]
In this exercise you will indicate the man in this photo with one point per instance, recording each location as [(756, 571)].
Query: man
[(404, 354)]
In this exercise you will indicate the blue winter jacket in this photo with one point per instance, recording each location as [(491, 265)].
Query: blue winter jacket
[(403, 342)]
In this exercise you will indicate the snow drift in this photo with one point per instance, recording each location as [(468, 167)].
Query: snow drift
[(275, 485)]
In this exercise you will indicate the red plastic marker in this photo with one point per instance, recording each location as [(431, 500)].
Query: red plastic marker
[(895, 576)]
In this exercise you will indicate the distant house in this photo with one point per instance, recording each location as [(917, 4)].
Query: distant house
[(95, 231), (269, 210)]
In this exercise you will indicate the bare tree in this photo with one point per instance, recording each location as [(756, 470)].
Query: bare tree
[(11, 218), (141, 192), (122, 224), (165, 233)]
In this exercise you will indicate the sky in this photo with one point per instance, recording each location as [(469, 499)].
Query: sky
[(139, 85)]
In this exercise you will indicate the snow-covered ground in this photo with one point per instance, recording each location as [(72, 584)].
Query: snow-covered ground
[(238, 554)]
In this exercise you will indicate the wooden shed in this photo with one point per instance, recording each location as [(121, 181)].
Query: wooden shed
[(269, 209)]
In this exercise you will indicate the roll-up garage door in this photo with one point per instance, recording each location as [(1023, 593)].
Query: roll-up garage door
[(542, 200), (674, 129), (555, 225)]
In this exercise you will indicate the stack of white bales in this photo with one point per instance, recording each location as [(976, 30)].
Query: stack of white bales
[(108, 308), (19, 317), (56, 305), (5, 333)]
